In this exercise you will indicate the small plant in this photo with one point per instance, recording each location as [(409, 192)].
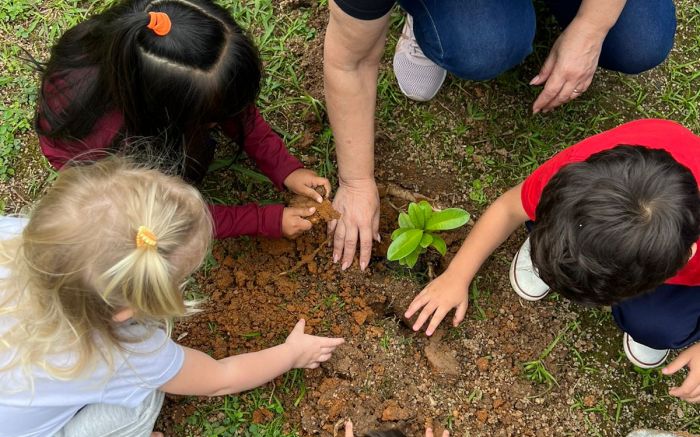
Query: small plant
[(416, 231), (536, 370)]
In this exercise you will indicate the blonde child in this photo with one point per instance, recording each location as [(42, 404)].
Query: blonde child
[(89, 285)]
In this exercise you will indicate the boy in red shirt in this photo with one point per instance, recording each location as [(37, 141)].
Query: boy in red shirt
[(614, 220)]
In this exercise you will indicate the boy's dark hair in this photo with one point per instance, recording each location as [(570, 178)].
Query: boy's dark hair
[(385, 433), (615, 225), (205, 70)]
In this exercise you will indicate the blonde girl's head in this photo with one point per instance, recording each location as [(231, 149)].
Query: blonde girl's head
[(78, 261)]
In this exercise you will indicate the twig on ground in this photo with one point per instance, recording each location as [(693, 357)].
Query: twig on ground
[(307, 259), (390, 189)]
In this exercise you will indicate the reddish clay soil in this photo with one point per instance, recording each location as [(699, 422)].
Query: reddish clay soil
[(385, 375)]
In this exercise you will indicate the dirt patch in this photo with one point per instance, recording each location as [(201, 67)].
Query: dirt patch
[(385, 375)]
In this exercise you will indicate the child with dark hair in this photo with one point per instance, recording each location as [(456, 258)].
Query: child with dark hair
[(614, 220), (173, 70)]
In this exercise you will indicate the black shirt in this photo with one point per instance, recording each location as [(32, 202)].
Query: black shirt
[(365, 9)]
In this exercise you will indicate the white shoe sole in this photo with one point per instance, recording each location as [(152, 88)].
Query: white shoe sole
[(636, 361), (516, 287)]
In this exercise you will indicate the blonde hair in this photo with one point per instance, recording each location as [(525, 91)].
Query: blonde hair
[(76, 263)]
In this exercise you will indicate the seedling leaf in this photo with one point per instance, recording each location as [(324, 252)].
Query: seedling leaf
[(426, 240), (399, 231), (447, 219), (404, 244), (415, 213), (439, 244), (405, 221), (412, 258), (427, 209)]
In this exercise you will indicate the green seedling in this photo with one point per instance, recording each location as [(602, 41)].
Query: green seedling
[(416, 231)]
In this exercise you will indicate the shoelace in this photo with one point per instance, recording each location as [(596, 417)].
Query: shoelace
[(409, 39)]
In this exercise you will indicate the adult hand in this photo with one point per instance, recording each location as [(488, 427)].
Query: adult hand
[(310, 350), (438, 298), (570, 66), (294, 222), (358, 202), (303, 181), (690, 389)]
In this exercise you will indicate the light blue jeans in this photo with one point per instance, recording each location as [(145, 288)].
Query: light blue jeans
[(480, 39)]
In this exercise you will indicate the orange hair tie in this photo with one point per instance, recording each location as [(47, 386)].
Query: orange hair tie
[(160, 23), (146, 238)]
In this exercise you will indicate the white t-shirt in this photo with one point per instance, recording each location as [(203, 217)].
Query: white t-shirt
[(43, 411)]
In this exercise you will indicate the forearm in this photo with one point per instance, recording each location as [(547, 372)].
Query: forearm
[(352, 52), (600, 15), (247, 371), (490, 231)]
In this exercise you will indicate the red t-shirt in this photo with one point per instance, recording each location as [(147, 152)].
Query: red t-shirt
[(681, 143), (263, 145)]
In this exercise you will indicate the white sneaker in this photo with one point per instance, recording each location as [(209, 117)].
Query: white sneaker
[(523, 277), (643, 356), (419, 78)]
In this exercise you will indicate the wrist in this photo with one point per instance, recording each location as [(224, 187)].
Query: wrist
[(289, 355), (458, 274), (357, 181), (594, 28)]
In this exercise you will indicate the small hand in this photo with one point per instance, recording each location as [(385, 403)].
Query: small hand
[(303, 182), (437, 299), (311, 350), (690, 389), (294, 223), (570, 66), (358, 204)]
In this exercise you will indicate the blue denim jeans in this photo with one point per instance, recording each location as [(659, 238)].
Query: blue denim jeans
[(480, 39)]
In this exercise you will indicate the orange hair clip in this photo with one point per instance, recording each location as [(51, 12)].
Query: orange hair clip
[(146, 238), (160, 23)]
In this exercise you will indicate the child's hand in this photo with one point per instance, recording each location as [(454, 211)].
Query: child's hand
[(690, 389), (311, 350), (303, 182), (294, 223), (437, 299)]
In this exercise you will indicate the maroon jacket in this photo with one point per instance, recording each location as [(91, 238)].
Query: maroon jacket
[(263, 145)]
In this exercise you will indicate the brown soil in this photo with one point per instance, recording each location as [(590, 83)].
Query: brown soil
[(385, 374)]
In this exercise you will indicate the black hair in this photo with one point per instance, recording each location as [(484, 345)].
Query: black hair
[(385, 433), (615, 225), (205, 70)]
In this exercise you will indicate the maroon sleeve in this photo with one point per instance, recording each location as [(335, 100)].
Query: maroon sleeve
[(264, 146), (251, 219), (93, 146)]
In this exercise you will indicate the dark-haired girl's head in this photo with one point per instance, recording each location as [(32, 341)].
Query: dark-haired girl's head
[(615, 225), (203, 71)]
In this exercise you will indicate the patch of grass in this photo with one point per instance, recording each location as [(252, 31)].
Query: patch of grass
[(536, 370), (257, 413), (477, 296)]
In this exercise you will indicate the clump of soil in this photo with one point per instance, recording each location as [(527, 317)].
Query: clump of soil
[(324, 210)]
